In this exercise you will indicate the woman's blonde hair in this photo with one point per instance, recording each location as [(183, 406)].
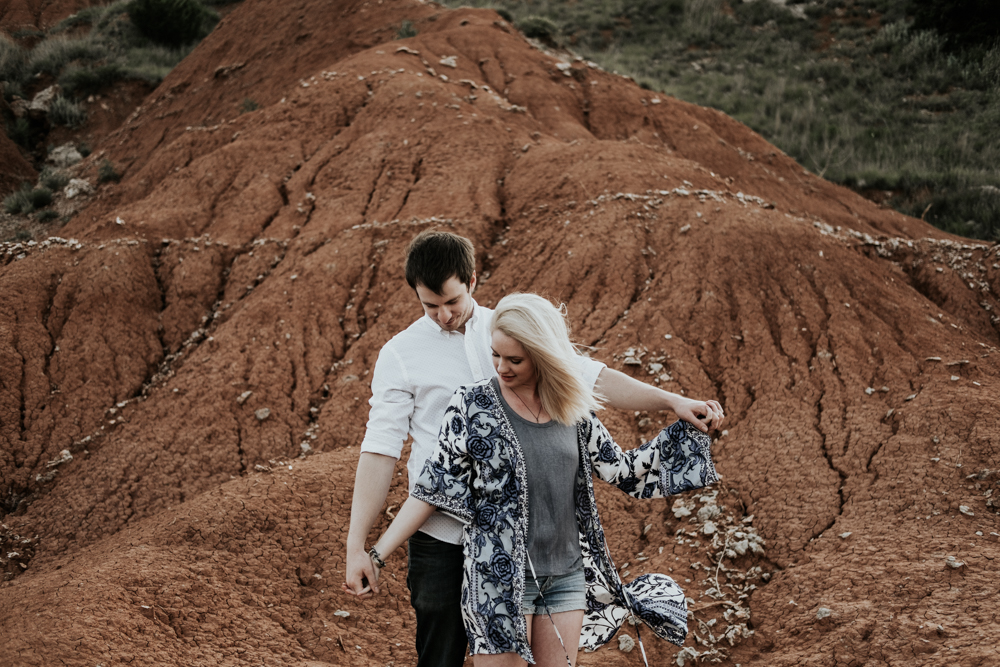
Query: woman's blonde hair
[(542, 330)]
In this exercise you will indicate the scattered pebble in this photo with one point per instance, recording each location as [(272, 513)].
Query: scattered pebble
[(262, 414), (822, 613), (625, 643)]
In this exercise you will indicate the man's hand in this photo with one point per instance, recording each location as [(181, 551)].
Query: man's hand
[(705, 415), (362, 575)]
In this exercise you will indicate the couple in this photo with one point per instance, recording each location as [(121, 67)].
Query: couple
[(524, 581)]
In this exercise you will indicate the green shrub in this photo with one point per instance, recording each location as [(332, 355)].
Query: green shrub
[(83, 148), (53, 179), (46, 215), (406, 30), (90, 80), (85, 17), (248, 105), (106, 172), (27, 199), (173, 22), (540, 28), (17, 201), (64, 111), (20, 132), (13, 61), (40, 197), (505, 15), (52, 55)]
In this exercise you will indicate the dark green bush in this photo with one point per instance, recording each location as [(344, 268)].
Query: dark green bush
[(91, 80), (172, 22), (40, 197), (83, 148), (27, 200), (540, 28), (20, 132), (963, 22), (46, 215), (13, 61), (406, 30), (53, 179), (53, 55), (106, 172), (16, 201), (248, 105), (64, 111)]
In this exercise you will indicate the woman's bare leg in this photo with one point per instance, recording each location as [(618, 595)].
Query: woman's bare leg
[(501, 660), (544, 642)]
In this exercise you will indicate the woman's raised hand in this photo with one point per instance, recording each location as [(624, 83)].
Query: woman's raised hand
[(705, 415)]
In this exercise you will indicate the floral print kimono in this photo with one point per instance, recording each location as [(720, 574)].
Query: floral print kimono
[(477, 474)]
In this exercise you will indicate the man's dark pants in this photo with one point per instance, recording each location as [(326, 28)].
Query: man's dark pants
[(435, 582)]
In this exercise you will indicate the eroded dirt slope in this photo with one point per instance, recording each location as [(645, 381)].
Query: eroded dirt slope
[(216, 315)]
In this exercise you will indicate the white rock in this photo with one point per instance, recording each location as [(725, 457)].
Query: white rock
[(954, 563), (822, 613), (625, 643), (681, 509), (43, 100), (64, 156), (964, 509), (708, 512), (78, 186), (709, 529), (262, 414), (689, 653)]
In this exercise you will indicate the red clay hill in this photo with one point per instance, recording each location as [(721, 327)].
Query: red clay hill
[(184, 375)]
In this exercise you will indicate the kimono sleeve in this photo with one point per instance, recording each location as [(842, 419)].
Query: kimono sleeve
[(678, 459), (446, 479)]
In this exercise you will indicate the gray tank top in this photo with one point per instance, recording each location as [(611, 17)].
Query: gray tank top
[(552, 460)]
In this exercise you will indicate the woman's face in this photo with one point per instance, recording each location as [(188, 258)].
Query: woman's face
[(512, 363)]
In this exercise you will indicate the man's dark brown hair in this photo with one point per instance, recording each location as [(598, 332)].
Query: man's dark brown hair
[(433, 257)]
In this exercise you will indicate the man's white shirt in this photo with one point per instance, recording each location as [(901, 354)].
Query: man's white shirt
[(416, 374)]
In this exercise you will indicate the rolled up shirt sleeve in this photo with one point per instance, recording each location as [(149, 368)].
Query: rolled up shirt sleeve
[(590, 370), (392, 406)]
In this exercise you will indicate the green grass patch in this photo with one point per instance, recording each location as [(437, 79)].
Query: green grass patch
[(27, 199), (65, 111), (53, 179), (106, 172), (849, 88), (248, 105)]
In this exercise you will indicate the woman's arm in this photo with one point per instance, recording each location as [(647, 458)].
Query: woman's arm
[(678, 459), (627, 393), (411, 516)]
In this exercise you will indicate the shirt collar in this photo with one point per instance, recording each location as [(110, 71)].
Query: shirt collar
[(472, 324)]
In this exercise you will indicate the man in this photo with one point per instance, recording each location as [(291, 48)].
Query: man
[(415, 376)]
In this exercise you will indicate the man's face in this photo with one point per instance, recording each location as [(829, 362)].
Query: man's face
[(452, 308)]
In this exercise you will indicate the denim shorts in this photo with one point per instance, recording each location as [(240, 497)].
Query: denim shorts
[(563, 592)]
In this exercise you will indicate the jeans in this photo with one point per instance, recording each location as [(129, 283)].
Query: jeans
[(563, 592), (435, 583)]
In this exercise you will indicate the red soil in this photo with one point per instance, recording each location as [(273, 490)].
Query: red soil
[(853, 348)]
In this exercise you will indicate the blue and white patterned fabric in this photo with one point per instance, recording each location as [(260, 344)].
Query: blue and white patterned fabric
[(477, 474)]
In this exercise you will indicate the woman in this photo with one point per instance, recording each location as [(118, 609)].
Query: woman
[(528, 440)]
